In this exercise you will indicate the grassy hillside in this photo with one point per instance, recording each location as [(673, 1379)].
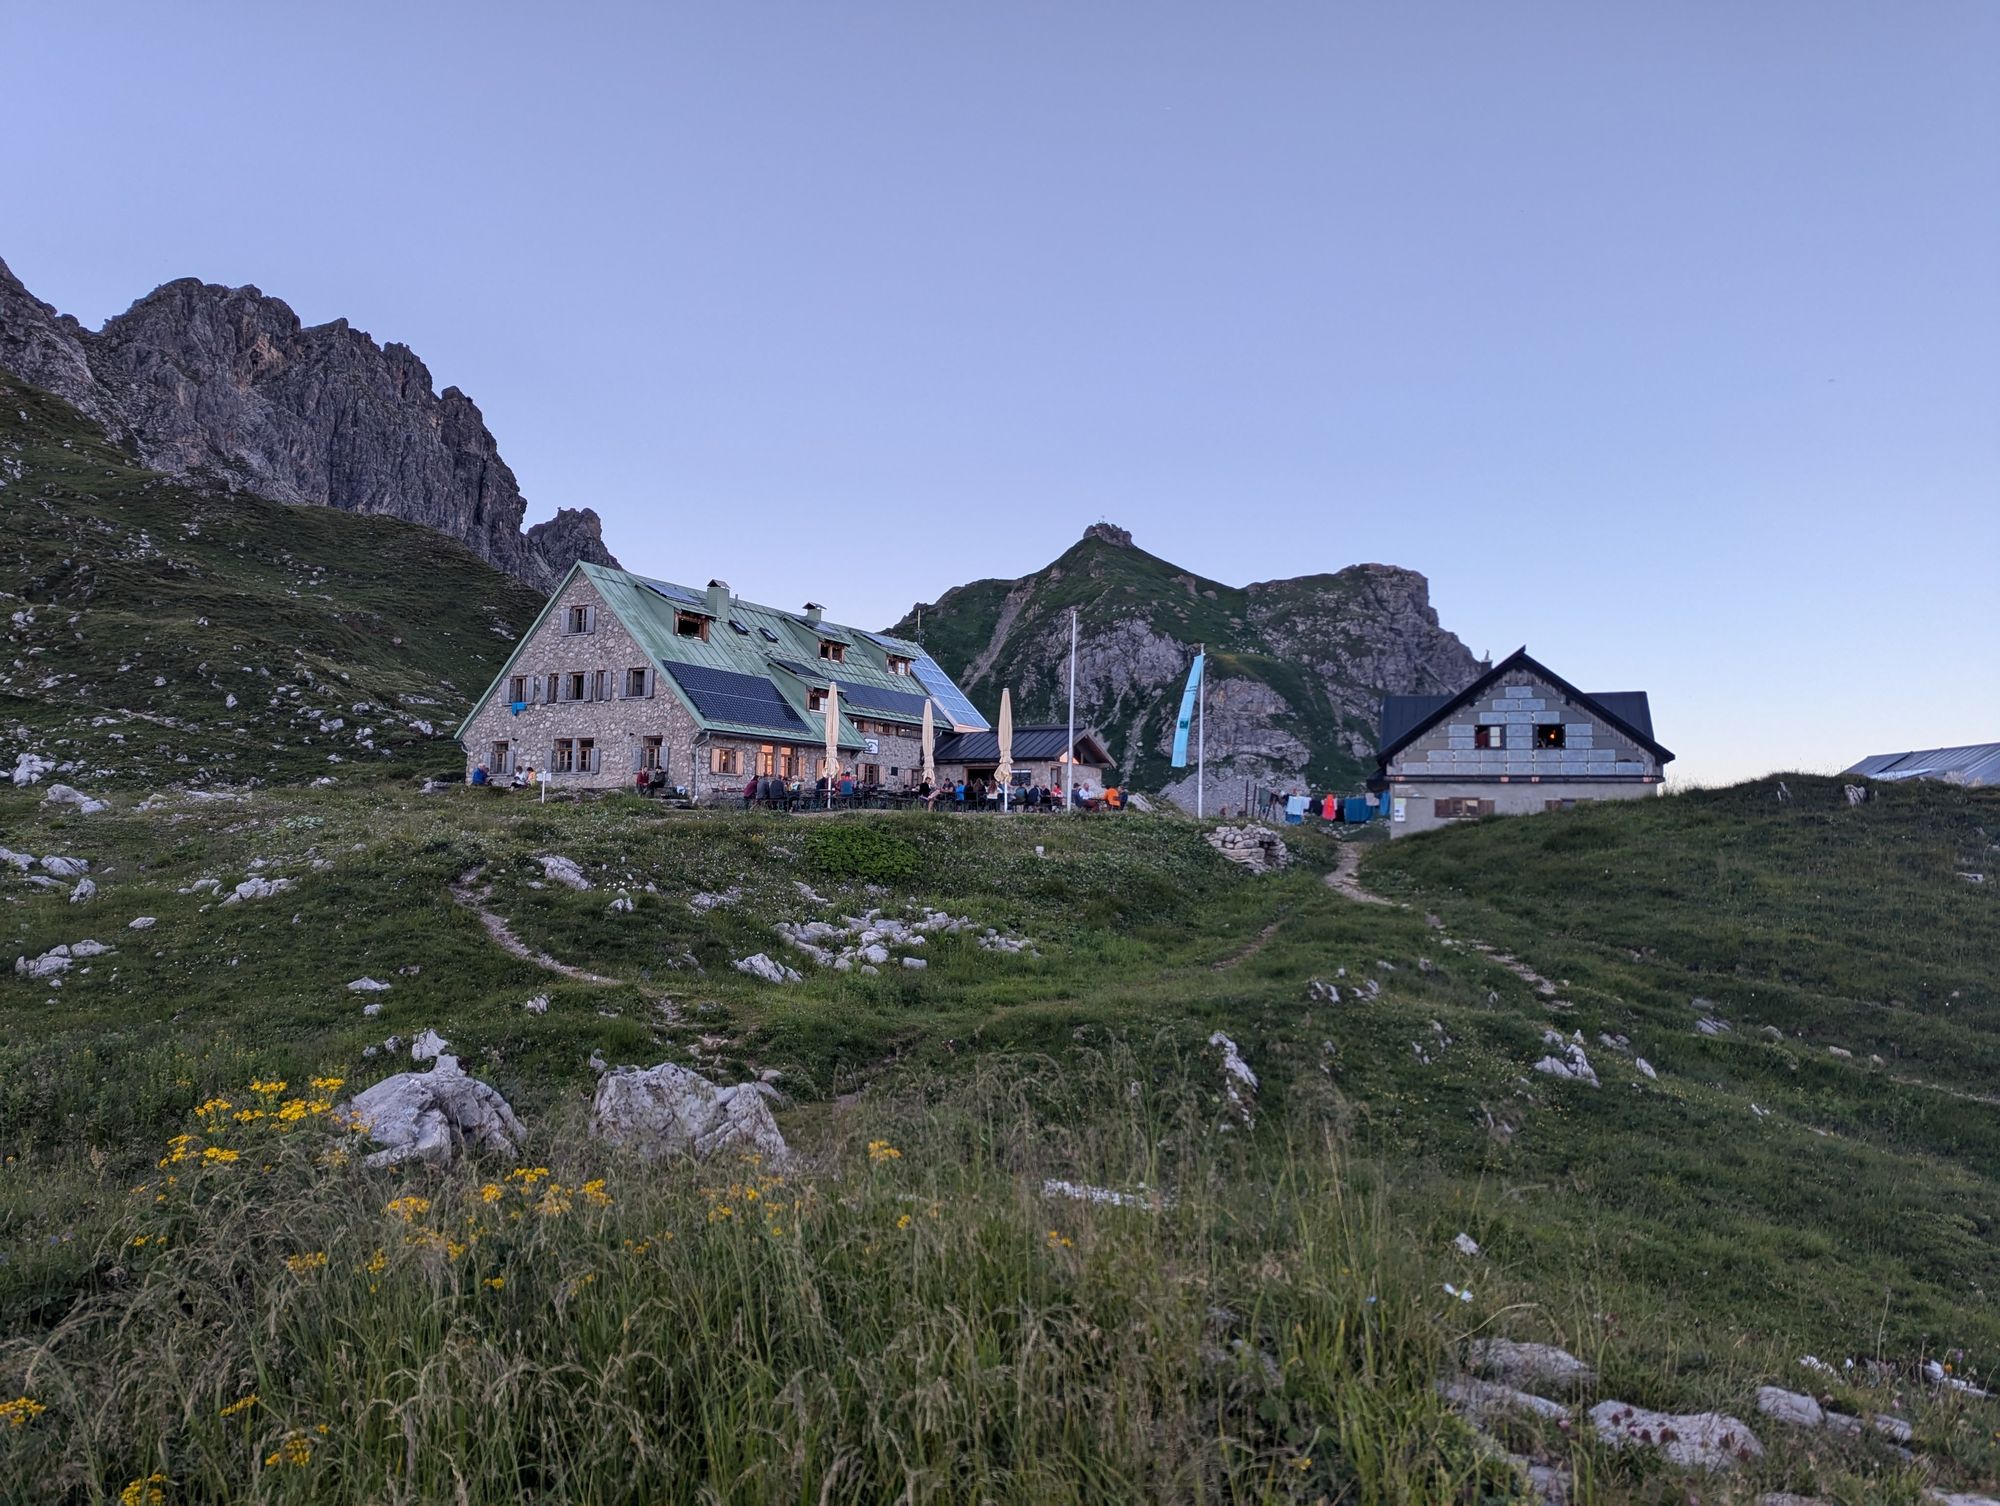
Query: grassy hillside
[(160, 632), (929, 1322)]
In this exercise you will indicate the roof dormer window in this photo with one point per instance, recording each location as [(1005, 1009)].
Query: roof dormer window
[(690, 625), (834, 652), (899, 665)]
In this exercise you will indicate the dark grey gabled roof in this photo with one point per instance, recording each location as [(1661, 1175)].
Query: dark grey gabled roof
[(1977, 764), (1036, 743), (1405, 718)]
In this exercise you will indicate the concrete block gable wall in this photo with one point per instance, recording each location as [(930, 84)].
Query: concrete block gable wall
[(1447, 765)]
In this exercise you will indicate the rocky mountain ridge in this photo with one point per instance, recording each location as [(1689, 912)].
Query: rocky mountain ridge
[(228, 387), (1297, 667)]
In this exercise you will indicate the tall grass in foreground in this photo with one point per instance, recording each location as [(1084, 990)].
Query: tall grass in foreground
[(899, 1314)]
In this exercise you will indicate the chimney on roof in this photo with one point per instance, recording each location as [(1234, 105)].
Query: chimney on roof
[(718, 597), (813, 610)]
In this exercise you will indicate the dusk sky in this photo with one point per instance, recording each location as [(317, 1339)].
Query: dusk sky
[(1663, 339)]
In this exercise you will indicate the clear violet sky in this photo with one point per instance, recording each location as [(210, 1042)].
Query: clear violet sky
[(1662, 338)]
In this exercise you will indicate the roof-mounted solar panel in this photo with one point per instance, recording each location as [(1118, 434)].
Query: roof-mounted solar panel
[(951, 700), (889, 702), (722, 695), (669, 590)]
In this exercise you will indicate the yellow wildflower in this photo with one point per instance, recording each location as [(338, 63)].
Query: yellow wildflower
[(490, 1193), (329, 1084), (268, 1089), (242, 1404), (881, 1150), (719, 1212), (219, 1154), (21, 1411), (1059, 1240), (495, 1282), (594, 1194), (295, 1451), (407, 1208), (247, 1116), (375, 1264), (903, 1222), (527, 1176), (214, 1106), (151, 1491), (300, 1265), (292, 1109)]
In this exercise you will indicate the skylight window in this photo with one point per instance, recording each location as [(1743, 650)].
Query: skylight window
[(739, 627), (769, 636)]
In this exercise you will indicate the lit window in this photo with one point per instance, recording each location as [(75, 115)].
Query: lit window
[(1549, 735)]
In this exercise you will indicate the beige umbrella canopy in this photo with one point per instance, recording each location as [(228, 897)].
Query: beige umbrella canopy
[(1005, 773), (832, 737), (930, 746)]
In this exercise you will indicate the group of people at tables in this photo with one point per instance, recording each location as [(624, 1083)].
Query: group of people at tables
[(957, 794)]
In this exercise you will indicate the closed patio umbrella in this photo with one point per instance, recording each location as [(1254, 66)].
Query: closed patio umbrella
[(930, 746), (832, 739), (1005, 772)]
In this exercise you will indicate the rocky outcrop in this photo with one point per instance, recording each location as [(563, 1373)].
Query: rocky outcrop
[(1297, 668), (670, 1111), (432, 1117), (228, 387)]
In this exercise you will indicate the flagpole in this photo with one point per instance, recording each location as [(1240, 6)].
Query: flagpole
[(1069, 755), (1201, 734)]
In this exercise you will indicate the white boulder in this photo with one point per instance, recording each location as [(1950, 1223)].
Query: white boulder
[(560, 870), (22, 861), (1691, 1440), (1568, 1061), (369, 986), (1480, 1400), (65, 868), (1547, 1366), (257, 888), (669, 1110), (142, 923), (29, 768), (1239, 1083), (84, 892), (432, 1116), (62, 794), (428, 1045), (48, 965), (759, 965)]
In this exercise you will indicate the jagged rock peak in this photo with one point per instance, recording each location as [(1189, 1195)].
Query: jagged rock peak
[(228, 386), (1110, 533)]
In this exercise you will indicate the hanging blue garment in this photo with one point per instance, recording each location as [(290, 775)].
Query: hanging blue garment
[(1182, 727)]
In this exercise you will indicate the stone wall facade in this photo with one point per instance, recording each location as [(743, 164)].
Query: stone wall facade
[(1495, 751), (603, 742)]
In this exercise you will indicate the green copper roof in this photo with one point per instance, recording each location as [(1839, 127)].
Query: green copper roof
[(745, 638)]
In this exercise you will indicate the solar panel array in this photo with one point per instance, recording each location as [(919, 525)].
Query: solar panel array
[(722, 695), (671, 592), (876, 698), (951, 700), (799, 669)]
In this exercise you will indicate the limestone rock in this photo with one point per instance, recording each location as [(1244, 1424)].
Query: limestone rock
[(1480, 1400), (1257, 848), (1569, 1062), (62, 794), (141, 923), (669, 1110), (432, 1116), (427, 1045), (1691, 1440), (759, 965), (1546, 1366), (84, 892), (256, 888), (65, 868), (369, 986), (560, 870), (29, 767), (1239, 1083)]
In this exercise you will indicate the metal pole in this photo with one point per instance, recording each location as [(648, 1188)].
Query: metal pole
[(1069, 755), (1201, 733)]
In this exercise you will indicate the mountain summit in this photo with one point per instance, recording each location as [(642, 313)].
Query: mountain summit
[(1297, 668), (227, 386)]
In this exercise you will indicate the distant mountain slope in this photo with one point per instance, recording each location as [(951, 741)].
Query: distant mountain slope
[(1298, 666), (227, 386), (158, 632)]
